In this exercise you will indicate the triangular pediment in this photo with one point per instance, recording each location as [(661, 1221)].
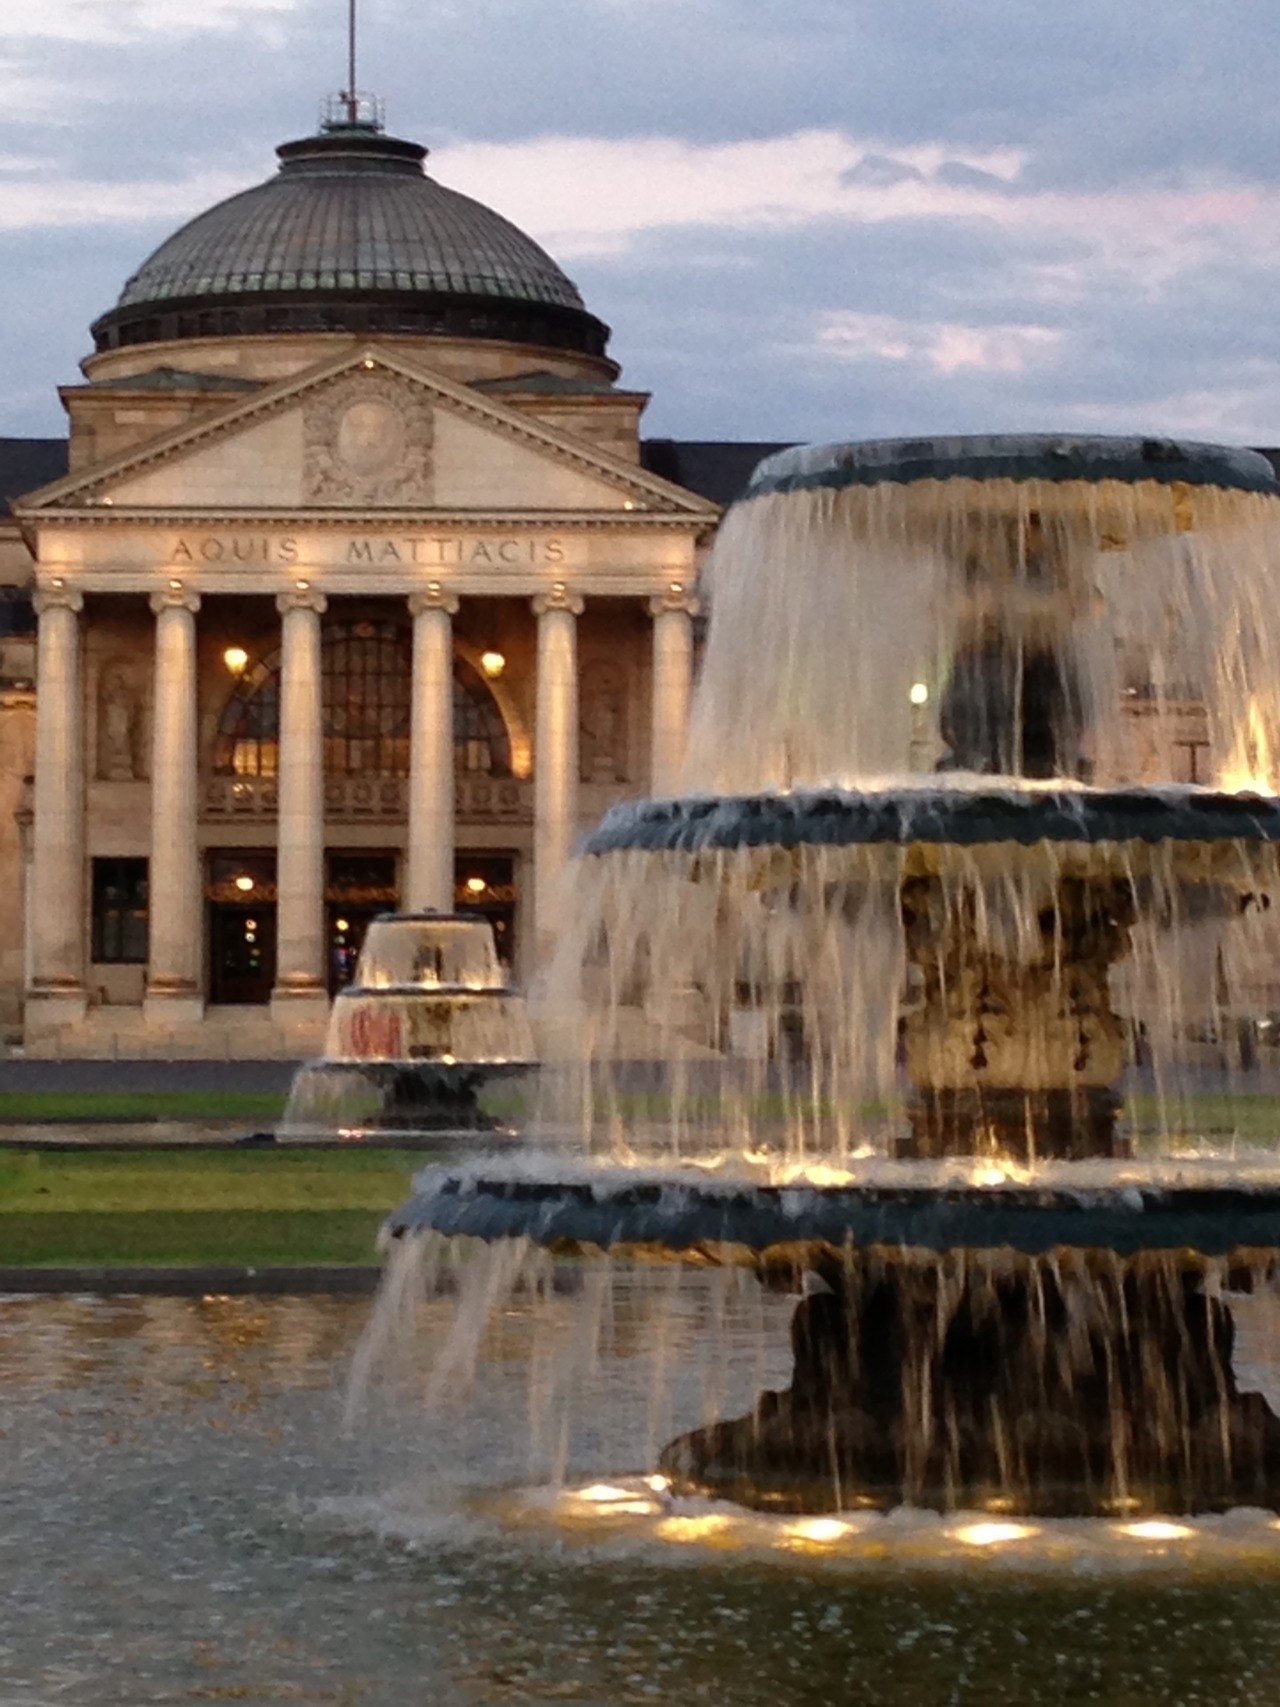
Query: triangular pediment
[(367, 433)]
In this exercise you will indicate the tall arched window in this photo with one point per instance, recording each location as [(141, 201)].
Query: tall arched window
[(366, 672)]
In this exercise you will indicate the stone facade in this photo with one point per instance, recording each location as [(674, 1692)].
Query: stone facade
[(352, 623)]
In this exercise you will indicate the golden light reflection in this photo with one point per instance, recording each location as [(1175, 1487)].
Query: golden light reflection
[(693, 1528), (1000, 1173), (659, 1484), (604, 1493), (1252, 767), (1154, 1529), (819, 1529), (992, 1534)]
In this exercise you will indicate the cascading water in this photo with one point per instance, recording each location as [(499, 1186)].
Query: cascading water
[(428, 1021), (857, 1006)]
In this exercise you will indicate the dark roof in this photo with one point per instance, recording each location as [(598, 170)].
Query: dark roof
[(28, 463), (177, 379), (351, 235), (543, 384), (713, 468)]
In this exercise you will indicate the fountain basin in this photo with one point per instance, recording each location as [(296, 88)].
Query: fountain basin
[(668, 1215), (1011, 456), (939, 817), (411, 1044)]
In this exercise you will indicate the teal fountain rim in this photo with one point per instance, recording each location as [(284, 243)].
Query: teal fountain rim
[(1053, 457), (961, 817), (678, 1215)]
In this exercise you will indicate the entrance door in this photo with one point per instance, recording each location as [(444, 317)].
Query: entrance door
[(242, 962), (240, 886), (359, 886), (485, 885)]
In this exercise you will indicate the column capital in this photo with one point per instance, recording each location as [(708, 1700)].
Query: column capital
[(174, 597), (55, 596), (675, 598), (302, 597), (558, 597), (433, 597)]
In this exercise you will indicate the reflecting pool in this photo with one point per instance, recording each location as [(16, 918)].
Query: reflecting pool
[(187, 1520)]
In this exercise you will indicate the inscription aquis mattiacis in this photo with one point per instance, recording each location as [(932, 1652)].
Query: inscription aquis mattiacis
[(427, 550)]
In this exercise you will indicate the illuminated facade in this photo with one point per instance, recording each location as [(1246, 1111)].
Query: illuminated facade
[(356, 593)]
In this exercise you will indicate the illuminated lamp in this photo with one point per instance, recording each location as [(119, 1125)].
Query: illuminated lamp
[(236, 659), (244, 884), (493, 664)]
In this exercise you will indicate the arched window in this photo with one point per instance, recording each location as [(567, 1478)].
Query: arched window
[(366, 673)]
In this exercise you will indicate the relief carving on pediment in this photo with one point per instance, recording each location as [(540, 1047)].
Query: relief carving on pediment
[(367, 440)]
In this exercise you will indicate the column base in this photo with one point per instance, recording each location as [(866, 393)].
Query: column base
[(172, 1004), (51, 1008)]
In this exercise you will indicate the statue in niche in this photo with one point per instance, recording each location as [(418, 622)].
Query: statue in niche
[(118, 718), (602, 732)]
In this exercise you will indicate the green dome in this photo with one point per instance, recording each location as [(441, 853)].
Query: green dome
[(351, 235)]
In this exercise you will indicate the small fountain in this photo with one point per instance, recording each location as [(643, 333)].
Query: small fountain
[(411, 1043), (916, 914)]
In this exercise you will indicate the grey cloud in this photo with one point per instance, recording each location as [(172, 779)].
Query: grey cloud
[(720, 323)]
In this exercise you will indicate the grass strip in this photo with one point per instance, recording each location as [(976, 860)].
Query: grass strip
[(35, 1182), (261, 1238), (258, 1106)]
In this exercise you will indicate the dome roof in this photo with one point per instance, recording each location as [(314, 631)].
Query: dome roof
[(351, 235)]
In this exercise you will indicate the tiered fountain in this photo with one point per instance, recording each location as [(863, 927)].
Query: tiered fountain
[(907, 929), (428, 1022)]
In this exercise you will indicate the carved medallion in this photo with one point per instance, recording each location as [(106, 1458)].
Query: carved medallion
[(368, 441)]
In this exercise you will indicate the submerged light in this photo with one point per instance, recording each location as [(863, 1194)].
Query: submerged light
[(1156, 1529), (992, 1534)]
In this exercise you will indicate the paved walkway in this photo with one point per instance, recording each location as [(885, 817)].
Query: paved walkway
[(122, 1077)]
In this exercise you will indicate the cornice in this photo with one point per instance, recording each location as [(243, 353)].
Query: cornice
[(382, 521)]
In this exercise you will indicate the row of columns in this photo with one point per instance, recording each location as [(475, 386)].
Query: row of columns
[(173, 988)]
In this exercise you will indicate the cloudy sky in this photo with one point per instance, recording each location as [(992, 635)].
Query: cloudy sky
[(804, 219)]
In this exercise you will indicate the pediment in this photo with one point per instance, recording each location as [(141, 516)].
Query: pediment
[(368, 433)]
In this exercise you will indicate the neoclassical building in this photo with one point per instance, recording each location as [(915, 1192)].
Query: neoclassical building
[(353, 586), (356, 592)]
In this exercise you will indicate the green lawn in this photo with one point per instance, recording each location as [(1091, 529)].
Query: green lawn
[(253, 1207), (1251, 1117), (249, 1106)]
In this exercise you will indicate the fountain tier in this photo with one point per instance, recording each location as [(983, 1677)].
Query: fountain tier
[(428, 1021), (915, 841)]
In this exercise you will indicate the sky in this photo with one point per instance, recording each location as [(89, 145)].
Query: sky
[(804, 219)]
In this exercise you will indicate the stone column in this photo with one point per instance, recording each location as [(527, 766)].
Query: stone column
[(555, 755), (300, 992), (175, 904), (673, 613), (429, 875), (56, 992)]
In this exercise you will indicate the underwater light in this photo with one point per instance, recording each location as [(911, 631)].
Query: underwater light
[(991, 1534), (1155, 1530), (603, 1493), (818, 1529)]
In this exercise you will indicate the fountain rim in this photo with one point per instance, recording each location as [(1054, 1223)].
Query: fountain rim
[(1054, 458), (958, 817), (679, 1217)]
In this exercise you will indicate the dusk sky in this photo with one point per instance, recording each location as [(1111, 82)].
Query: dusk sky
[(804, 219)]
